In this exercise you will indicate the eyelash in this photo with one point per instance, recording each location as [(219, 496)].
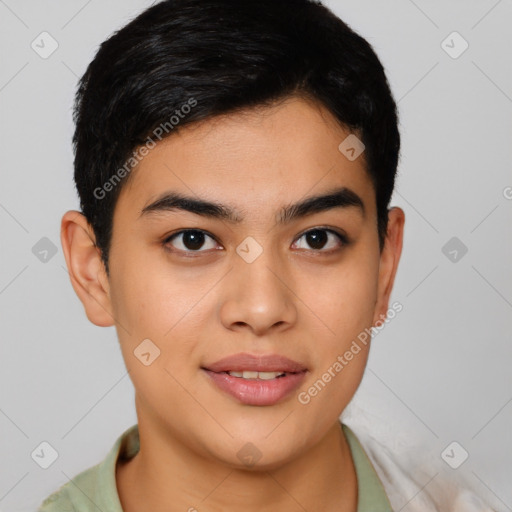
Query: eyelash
[(341, 237)]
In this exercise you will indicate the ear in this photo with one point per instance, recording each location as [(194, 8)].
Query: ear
[(390, 256), (86, 269)]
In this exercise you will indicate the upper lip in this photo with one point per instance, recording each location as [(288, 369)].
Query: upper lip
[(255, 363)]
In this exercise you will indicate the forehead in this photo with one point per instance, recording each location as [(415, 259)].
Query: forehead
[(261, 158)]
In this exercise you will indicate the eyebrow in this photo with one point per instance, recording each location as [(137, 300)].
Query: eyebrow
[(341, 197)]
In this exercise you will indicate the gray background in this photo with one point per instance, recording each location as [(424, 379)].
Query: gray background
[(439, 372)]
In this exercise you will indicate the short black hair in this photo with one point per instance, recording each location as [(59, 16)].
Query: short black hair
[(183, 61)]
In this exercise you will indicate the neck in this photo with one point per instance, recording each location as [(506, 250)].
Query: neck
[(166, 472)]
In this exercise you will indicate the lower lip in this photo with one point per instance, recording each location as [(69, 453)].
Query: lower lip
[(257, 391)]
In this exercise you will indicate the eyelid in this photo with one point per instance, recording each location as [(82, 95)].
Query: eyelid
[(185, 230), (336, 231), (167, 239), (341, 235)]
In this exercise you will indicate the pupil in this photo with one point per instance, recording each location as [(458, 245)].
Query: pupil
[(193, 239), (317, 238)]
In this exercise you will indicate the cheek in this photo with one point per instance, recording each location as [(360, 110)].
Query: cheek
[(159, 347), (150, 303), (343, 299), (148, 298), (344, 302)]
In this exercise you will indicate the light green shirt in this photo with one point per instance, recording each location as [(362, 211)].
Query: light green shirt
[(95, 488)]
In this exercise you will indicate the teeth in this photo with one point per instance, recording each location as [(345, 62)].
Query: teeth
[(268, 375), (256, 375)]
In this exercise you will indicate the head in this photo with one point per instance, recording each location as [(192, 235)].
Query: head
[(221, 212)]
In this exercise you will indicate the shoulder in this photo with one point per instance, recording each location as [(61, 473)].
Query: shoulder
[(58, 501), (419, 487), (95, 488), (64, 498)]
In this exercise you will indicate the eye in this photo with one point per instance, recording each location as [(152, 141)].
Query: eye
[(192, 240), (189, 240), (318, 238)]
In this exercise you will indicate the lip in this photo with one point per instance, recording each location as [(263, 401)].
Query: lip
[(253, 363), (256, 391)]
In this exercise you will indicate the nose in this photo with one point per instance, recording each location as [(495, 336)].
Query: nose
[(258, 296)]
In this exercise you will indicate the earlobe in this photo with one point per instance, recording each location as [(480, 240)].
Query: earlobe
[(85, 267), (389, 260)]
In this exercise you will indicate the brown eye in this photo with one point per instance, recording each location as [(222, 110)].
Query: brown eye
[(317, 239), (190, 240)]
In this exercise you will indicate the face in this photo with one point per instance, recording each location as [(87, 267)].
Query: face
[(247, 277)]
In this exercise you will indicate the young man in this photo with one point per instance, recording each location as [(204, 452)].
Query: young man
[(235, 163)]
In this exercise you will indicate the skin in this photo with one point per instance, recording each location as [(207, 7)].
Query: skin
[(304, 302)]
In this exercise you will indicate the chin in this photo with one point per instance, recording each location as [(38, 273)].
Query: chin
[(251, 456)]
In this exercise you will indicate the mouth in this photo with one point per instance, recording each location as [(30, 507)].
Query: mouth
[(250, 375), (256, 380)]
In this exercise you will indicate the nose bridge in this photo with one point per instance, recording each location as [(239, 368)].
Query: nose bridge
[(257, 269), (259, 273), (258, 295)]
